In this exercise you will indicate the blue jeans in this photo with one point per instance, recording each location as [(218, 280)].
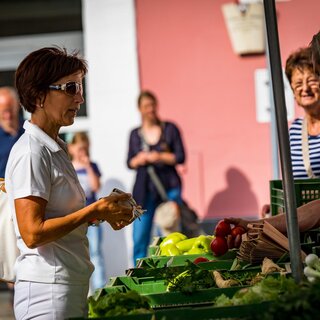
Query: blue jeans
[(98, 278), (142, 228)]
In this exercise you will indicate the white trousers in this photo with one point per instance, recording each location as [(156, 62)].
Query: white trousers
[(49, 301)]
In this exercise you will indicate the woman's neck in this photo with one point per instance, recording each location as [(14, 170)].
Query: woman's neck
[(313, 124), (150, 123), (49, 128)]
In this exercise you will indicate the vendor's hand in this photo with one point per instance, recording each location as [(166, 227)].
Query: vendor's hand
[(265, 210), (234, 242), (238, 222), (112, 210)]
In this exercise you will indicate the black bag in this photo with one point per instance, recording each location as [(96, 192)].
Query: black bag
[(190, 225)]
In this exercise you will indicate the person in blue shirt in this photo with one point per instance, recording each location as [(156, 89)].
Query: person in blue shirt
[(89, 177), (10, 124), (166, 150)]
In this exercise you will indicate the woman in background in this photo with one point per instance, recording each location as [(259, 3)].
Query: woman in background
[(89, 177), (158, 144)]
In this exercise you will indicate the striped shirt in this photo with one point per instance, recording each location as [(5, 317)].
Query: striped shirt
[(299, 171)]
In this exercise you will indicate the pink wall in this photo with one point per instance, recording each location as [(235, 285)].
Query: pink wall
[(186, 58)]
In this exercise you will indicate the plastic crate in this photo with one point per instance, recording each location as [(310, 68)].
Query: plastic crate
[(146, 271), (180, 260), (143, 285), (178, 299), (192, 313), (211, 312), (306, 190), (155, 285), (142, 316)]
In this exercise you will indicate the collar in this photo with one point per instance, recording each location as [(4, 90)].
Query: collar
[(41, 136)]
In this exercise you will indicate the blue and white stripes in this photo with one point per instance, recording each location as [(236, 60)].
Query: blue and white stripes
[(299, 171)]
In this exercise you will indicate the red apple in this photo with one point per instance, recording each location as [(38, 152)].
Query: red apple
[(200, 259), (222, 229), (237, 230), (219, 246)]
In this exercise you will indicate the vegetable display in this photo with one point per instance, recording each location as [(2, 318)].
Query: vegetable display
[(266, 290), (301, 303), (226, 238), (177, 243), (210, 286), (192, 279)]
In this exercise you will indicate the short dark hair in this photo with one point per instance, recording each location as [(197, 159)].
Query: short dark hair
[(315, 49), (299, 59), (147, 94), (40, 69)]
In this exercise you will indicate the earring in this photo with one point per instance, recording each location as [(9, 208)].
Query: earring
[(41, 105)]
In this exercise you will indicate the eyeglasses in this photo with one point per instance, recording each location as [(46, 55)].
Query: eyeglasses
[(311, 82), (70, 88)]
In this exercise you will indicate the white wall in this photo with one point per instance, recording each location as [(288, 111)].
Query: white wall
[(109, 37)]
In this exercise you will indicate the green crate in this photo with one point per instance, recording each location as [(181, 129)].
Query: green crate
[(312, 235), (143, 285), (154, 246), (154, 285), (142, 316), (147, 271), (177, 299), (211, 312), (180, 260), (195, 313), (306, 190)]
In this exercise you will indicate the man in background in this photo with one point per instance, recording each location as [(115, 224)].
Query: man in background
[(10, 124), (10, 131)]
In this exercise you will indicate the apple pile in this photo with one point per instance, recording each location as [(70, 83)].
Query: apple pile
[(226, 238)]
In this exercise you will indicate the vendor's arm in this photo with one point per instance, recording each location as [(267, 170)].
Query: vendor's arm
[(35, 230), (308, 218)]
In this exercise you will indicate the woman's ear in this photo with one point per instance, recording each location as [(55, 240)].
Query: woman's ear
[(40, 101)]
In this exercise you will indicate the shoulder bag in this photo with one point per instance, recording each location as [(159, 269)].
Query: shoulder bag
[(170, 216), (305, 149), (8, 242)]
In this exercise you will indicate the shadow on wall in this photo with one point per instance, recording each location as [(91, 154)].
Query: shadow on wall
[(117, 247), (236, 200)]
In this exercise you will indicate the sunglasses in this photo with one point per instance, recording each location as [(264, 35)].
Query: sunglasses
[(70, 88)]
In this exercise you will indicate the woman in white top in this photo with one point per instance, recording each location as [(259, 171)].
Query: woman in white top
[(51, 219)]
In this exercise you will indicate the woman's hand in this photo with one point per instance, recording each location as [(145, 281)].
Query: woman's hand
[(153, 157), (238, 222), (266, 209), (140, 159), (115, 210)]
